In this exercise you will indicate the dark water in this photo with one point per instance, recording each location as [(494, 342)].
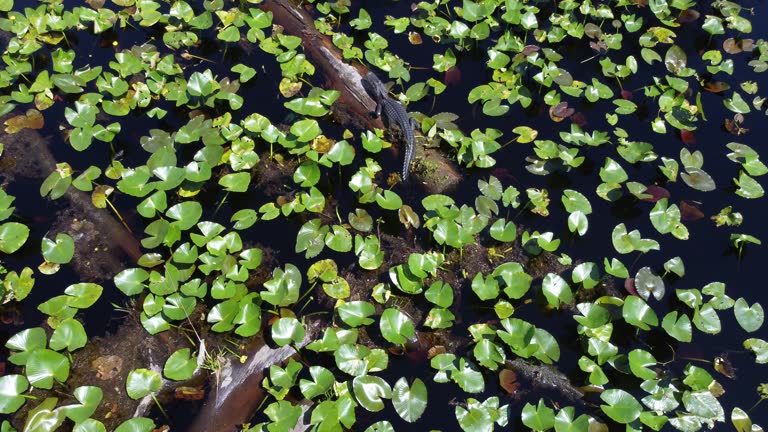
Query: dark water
[(708, 255)]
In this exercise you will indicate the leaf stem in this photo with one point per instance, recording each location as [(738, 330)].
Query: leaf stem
[(117, 213)]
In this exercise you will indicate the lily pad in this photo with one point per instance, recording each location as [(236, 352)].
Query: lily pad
[(142, 382), (750, 318), (395, 326), (12, 387)]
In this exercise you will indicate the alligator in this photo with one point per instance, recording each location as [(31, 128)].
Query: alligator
[(394, 115)]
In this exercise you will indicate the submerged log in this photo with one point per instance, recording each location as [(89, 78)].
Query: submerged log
[(354, 106), (27, 155), (238, 390)]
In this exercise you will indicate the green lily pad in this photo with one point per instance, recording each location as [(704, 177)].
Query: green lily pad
[(737, 104), (647, 284), (356, 313), (698, 179), (679, 328), (675, 265), (410, 402), (69, 334), (59, 251), (395, 326), (13, 235), (131, 281), (485, 288), (503, 231), (539, 417), (186, 214), (556, 290), (83, 295), (637, 313), (370, 390), (236, 182), (138, 424), (621, 406), (750, 318), (142, 382), (322, 380), (641, 363), (44, 365), (89, 398), (759, 347), (287, 330), (440, 293), (12, 387), (26, 341), (180, 366), (706, 319), (586, 274), (748, 187)]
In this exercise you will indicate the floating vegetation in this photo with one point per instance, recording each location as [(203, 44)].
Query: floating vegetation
[(213, 172)]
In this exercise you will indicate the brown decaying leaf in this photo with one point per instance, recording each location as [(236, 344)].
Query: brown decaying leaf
[(734, 126), (48, 268), (289, 88), (724, 366), (592, 30), (452, 76), (580, 119), (530, 49), (688, 15), (322, 144), (716, 86), (508, 381), (688, 137), (96, 4), (629, 285), (560, 112), (100, 194), (690, 212), (414, 38), (32, 119), (107, 367), (656, 193), (599, 47), (735, 46), (731, 46), (189, 393), (716, 389), (435, 350)]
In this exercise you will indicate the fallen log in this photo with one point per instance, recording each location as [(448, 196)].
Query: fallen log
[(238, 390), (354, 106)]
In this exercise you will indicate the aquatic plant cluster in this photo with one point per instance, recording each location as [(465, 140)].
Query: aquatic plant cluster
[(363, 277)]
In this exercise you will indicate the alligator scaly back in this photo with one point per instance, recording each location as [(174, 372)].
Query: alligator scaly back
[(375, 88), (394, 114)]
